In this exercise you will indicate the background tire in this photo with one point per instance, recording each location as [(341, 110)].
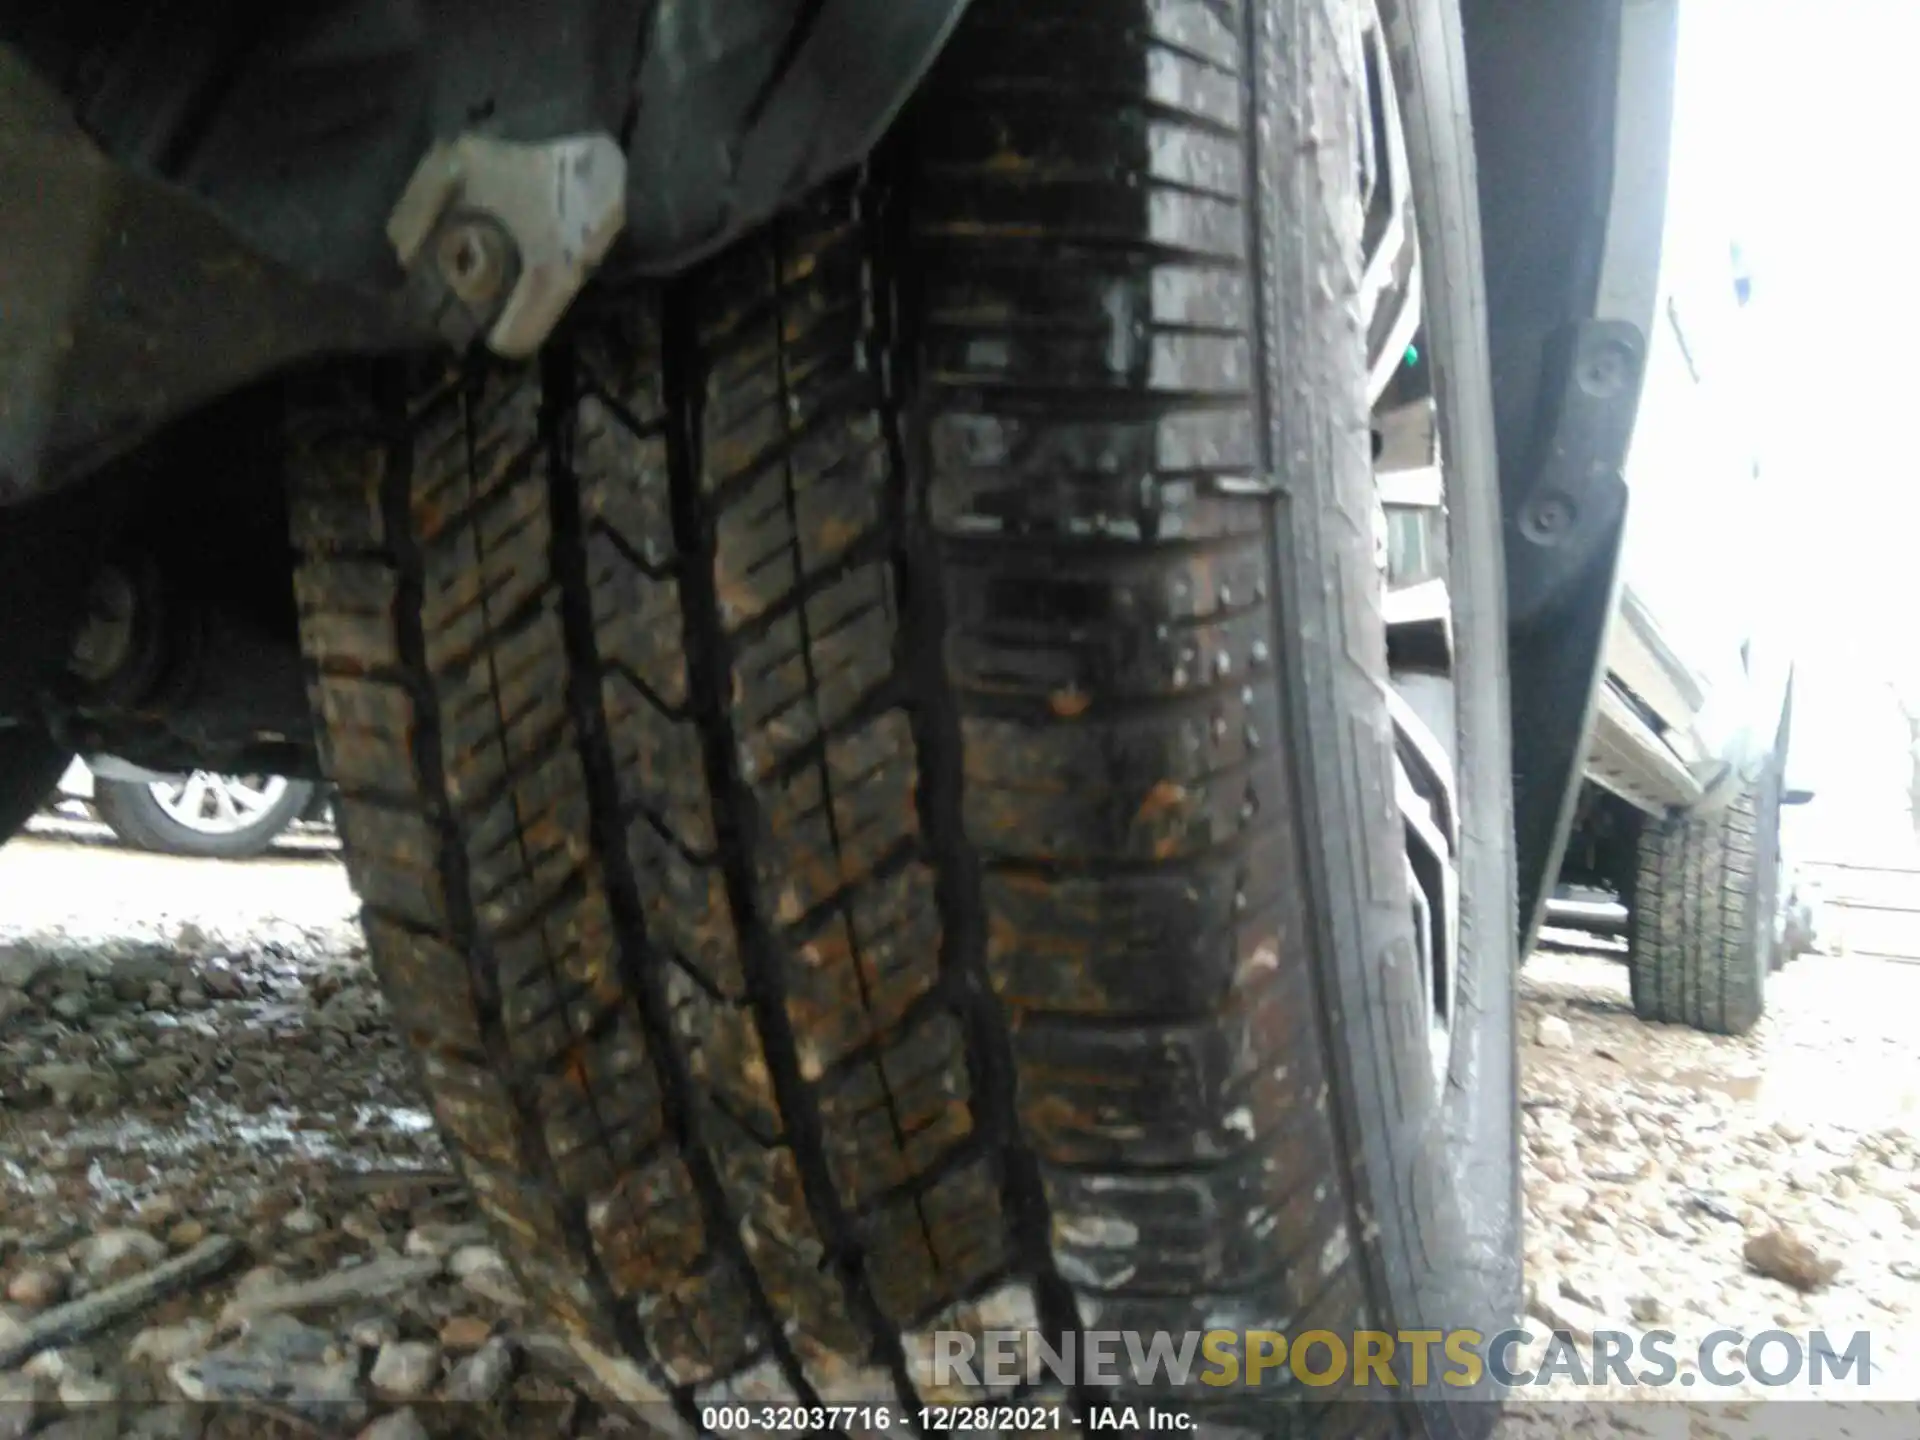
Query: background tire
[(30, 766), (869, 771), (132, 811), (1701, 933)]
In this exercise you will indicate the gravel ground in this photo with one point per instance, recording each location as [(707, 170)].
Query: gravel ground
[(1693, 1183), (194, 1052)]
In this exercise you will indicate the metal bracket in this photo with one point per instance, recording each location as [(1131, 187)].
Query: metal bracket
[(1578, 497), (503, 236), (1563, 537)]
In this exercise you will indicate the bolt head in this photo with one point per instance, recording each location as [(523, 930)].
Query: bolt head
[(474, 257), (1547, 518), (1607, 370)]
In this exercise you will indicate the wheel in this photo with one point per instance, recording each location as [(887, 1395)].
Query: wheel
[(916, 778), (1703, 928), (225, 816), (1700, 937)]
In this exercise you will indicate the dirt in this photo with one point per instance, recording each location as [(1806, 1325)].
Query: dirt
[(192, 1050)]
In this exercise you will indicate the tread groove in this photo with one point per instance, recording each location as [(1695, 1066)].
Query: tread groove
[(464, 928), (638, 960), (958, 889), (709, 651)]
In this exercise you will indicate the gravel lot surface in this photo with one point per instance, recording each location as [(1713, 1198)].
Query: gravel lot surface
[(196, 1073), (1693, 1183)]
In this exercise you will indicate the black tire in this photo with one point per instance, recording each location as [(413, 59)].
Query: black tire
[(129, 809), (30, 766), (1701, 930), (868, 773)]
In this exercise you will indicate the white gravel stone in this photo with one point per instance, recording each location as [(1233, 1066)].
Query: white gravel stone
[(115, 1254), (1553, 1033), (302, 1222), (370, 1332), (77, 1389), (470, 1258), (1647, 1309), (443, 1240), (481, 1377), (406, 1369), (166, 1344)]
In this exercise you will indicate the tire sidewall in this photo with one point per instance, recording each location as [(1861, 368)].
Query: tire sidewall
[(1463, 1267), (1766, 876)]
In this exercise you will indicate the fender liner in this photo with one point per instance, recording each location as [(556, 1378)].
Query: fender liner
[(271, 143), (1572, 118)]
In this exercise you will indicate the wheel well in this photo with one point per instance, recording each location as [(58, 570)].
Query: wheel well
[(1603, 843), (175, 635)]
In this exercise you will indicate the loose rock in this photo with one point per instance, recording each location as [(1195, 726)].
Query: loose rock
[(168, 1344), (1647, 1309), (185, 1234), (1553, 1033), (370, 1332), (36, 1286), (480, 1378), (442, 1240), (1784, 1256), (406, 1369), (279, 1359), (77, 1390), (117, 1254), (302, 1222), (462, 1333)]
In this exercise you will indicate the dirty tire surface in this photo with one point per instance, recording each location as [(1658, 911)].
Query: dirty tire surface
[(1700, 929), (820, 753)]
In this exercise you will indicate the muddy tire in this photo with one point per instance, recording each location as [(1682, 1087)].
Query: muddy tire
[(1700, 933), (868, 769)]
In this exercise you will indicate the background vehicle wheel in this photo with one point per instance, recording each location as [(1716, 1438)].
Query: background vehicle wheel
[(222, 816), (1800, 934), (1700, 936), (875, 775)]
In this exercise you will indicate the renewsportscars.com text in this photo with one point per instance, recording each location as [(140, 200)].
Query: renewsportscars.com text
[(1380, 1359)]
